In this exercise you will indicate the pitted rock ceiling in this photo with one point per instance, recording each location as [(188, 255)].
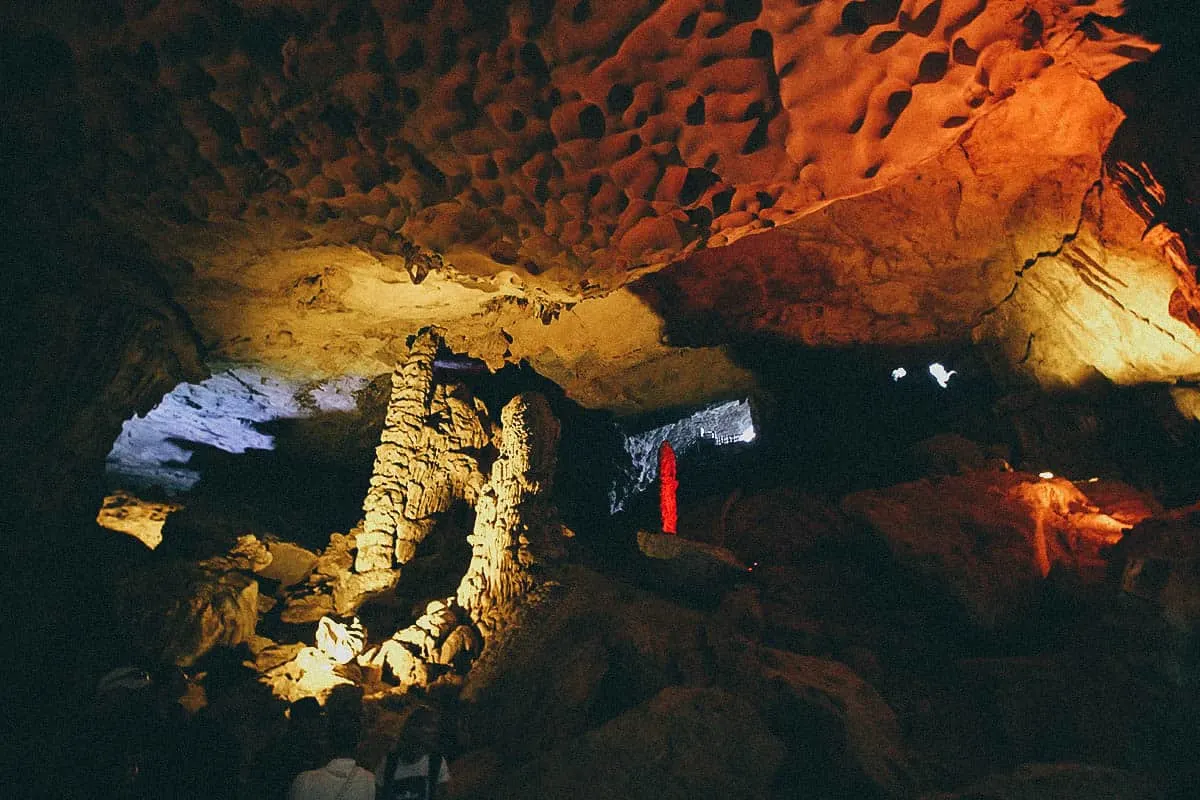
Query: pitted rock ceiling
[(324, 176)]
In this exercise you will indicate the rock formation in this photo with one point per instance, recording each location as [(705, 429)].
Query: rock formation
[(988, 538), (141, 519), (516, 530), (512, 175), (516, 525), (426, 460), (434, 439)]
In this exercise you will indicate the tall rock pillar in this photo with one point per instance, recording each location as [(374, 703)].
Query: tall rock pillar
[(516, 524), (427, 459)]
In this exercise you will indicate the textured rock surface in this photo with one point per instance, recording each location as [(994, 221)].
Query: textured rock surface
[(616, 647), (184, 612), (427, 459), (371, 167), (694, 569), (988, 538), (141, 519), (1060, 782), (1115, 300), (1159, 563), (618, 652), (684, 742), (545, 137), (869, 750)]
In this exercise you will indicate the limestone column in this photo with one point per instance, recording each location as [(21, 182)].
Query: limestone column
[(427, 458), (516, 525)]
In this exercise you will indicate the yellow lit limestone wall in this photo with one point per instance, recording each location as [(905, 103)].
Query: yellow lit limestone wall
[(1112, 303)]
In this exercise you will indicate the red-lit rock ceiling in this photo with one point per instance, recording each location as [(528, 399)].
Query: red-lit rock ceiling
[(326, 176)]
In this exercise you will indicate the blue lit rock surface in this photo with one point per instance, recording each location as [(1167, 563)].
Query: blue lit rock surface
[(721, 423), (222, 412)]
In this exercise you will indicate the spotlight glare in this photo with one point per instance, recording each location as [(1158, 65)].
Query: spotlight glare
[(940, 374)]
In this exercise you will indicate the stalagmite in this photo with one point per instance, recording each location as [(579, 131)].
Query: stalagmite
[(425, 461), (428, 459), (516, 525)]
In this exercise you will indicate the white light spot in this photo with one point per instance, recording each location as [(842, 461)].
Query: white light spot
[(898, 373), (940, 374), (1046, 475), (1093, 480)]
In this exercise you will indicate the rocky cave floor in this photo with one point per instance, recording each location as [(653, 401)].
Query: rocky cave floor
[(829, 641)]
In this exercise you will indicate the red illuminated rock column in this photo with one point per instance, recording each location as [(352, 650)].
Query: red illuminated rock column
[(667, 484)]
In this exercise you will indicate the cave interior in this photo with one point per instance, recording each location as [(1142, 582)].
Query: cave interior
[(343, 337)]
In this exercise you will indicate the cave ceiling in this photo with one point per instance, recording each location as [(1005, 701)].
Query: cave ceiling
[(617, 191)]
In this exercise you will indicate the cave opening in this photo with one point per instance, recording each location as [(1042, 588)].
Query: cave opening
[(244, 450)]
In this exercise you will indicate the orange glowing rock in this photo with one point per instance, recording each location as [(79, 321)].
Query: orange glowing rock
[(667, 486), (988, 537)]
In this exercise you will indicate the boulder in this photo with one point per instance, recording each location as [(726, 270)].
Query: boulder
[(462, 645), (352, 589), (696, 569), (215, 609), (778, 526), (1159, 565), (290, 563), (947, 454), (986, 539), (614, 646), (306, 608), (838, 730), (338, 557), (341, 642), (247, 554), (403, 665), (309, 673), (272, 655), (141, 519)]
